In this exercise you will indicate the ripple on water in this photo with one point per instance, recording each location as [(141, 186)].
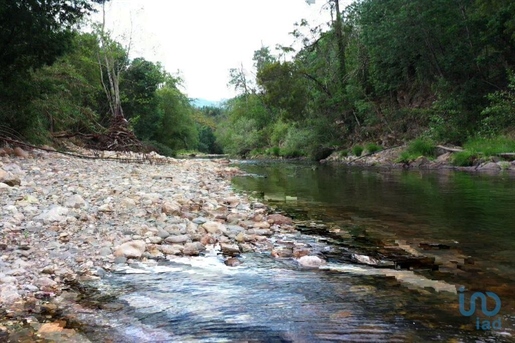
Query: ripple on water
[(263, 300)]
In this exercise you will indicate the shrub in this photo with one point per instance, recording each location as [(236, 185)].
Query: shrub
[(405, 157), (464, 158), (372, 148), (421, 147), (344, 153), (357, 150)]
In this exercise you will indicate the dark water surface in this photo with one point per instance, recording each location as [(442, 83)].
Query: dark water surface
[(465, 221)]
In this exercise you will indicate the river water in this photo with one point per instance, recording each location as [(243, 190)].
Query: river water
[(461, 222)]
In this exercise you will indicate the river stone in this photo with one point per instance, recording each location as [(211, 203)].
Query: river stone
[(171, 208), (171, 249), (235, 229), (282, 252), (128, 203), (132, 249), (311, 261), (214, 227), (232, 262), (231, 201), (279, 219), (75, 201), (260, 232), (21, 153), (177, 239), (162, 233), (193, 249), (9, 178), (53, 214), (230, 249), (244, 247), (207, 239), (9, 293), (490, 166), (262, 225), (155, 239)]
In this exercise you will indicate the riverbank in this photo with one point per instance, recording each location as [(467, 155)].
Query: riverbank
[(389, 158), (66, 221)]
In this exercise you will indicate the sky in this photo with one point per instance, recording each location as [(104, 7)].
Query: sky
[(203, 39)]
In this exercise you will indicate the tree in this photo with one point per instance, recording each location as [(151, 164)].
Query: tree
[(139, 96), (177, 128), (32, 34)]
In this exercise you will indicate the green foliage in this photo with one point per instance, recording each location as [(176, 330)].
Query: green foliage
[(344, 153), (33, 34), (464, 158), (421, 147), (418, 147), (357, 150), (490, 146), (480, 148), (139, 100), (177, 128), (372, 148), (500, 113)]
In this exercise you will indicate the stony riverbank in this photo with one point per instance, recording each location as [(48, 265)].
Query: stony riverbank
[(388, 158), (67, 220)]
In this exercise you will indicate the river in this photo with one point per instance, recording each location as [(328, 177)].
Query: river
[(423, 234)]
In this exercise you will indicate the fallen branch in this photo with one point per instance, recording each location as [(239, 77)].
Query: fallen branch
[(449, 149)]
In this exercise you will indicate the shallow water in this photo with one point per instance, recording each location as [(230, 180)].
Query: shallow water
[(269, 300)]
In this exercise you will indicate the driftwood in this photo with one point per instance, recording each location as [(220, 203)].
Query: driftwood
[(449, 149)]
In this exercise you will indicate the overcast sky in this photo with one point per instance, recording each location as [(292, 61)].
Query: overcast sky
[(205, 38)]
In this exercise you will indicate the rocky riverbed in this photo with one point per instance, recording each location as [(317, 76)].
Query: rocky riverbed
[(66, 220)]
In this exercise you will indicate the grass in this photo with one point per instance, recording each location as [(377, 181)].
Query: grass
[(464, 158), (490, 146), (482, 148), (357, 150), (372, 148), (419, 147)]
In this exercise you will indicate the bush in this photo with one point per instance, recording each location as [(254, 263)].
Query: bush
[(464, 158), (372, 148), (421, 147), (357, 150), (344, 153), (405, 157)]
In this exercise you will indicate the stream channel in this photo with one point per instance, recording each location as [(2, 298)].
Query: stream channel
[(399, 246)]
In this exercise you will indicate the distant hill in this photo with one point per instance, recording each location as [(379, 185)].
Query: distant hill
[(206, 103)]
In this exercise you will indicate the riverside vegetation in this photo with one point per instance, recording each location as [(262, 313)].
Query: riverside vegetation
[(376, 75)]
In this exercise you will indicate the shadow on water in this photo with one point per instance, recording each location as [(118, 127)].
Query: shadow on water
[(461, 220)]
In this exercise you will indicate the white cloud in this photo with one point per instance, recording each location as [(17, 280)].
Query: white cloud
[(205, 38)]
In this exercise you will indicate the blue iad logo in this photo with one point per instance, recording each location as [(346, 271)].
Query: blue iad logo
[(486, 324)]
